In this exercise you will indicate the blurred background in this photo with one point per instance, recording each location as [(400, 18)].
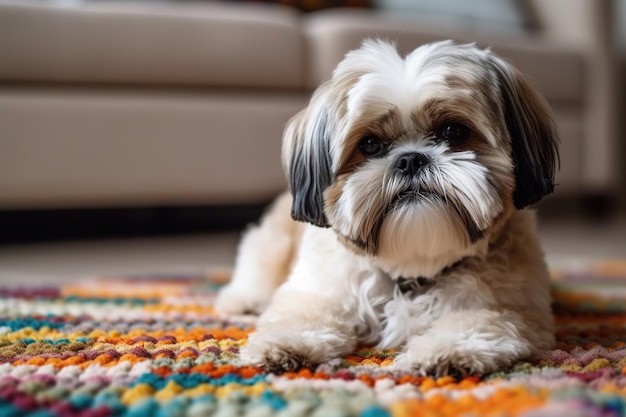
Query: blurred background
[(141, 137)]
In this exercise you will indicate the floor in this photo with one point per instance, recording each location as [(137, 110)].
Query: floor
[(566, 241)]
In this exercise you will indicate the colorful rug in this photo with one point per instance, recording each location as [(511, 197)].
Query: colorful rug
[(154, 347)]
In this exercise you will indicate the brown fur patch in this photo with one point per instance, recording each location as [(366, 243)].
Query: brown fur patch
[(332, 195), (386, 128), (339, 102)]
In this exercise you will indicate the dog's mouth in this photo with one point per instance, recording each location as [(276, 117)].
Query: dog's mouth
[(414, 195), (413, 200)]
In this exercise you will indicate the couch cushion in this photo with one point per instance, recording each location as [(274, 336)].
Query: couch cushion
[(313, 5), (217, 44), (122, 147), (555, 70)]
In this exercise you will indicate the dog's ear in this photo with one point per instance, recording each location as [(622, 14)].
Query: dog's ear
[(307, 161), (533, 136)]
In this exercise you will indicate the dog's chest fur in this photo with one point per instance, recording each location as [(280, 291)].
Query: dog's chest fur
[(388, 317)]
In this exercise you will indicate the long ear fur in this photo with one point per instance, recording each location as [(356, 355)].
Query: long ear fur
[(307, 161), (533, 136)]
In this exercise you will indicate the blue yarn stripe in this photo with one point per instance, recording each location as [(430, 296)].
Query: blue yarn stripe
[(194, 379)]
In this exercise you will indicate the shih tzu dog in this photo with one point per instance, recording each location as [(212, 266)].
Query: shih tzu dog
[(409, 176)]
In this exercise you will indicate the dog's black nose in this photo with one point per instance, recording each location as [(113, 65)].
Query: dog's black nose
[(410, 163)]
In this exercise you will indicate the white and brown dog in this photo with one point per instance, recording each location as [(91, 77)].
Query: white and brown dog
[(412, 174)]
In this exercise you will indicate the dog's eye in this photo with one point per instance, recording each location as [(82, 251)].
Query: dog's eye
[(371, 146), (455, 131)]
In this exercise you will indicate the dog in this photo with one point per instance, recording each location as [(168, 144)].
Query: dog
[(406, 225)]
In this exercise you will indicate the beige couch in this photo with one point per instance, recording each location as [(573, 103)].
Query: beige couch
[(122, 105)]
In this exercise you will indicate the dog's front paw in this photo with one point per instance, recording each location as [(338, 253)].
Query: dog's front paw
[(281, 348), (437, 365), (276, 360), (437, 357), (475, 343)]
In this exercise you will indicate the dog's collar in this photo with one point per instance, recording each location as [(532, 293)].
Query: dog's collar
[(419, 285), (414, 286)]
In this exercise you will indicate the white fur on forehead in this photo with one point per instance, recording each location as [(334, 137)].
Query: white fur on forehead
[(376, 55), (391, 81)]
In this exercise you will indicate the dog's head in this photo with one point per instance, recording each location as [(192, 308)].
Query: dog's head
[(421, 156)]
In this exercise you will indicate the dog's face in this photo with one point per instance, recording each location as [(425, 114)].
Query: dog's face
[(418, 158)]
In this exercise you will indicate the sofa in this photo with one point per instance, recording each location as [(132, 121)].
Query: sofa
[(117, 104)]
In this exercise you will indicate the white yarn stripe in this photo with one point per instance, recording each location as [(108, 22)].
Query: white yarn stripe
[(106, 312), (17, 307), (72, 375)]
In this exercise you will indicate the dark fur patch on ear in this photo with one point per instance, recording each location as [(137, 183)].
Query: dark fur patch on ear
[(310, 173), (533, 136)]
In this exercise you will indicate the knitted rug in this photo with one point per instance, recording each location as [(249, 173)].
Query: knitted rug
[(153, 346)]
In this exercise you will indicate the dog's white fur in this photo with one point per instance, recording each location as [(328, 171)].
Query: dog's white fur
[(458, 221)]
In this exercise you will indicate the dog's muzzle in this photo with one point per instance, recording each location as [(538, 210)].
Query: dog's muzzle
[(408, 164)]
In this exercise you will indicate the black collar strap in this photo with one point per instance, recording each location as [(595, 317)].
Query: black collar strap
[(415, 286), (419, 285)]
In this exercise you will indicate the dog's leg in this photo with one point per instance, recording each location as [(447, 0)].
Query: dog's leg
[(474, 342), (311, 318), (310, 330), (264, 259)]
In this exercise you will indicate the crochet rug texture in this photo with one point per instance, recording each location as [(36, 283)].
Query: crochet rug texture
[(153, 346)]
